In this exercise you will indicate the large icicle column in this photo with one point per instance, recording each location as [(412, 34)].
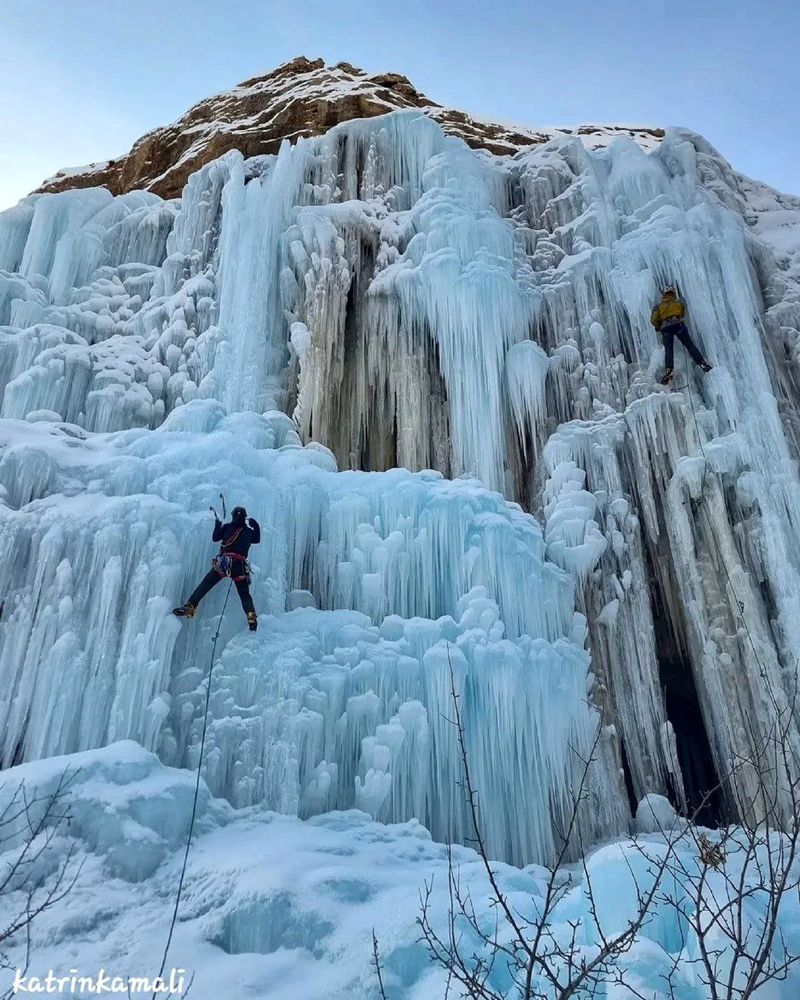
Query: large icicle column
[(430, 373)]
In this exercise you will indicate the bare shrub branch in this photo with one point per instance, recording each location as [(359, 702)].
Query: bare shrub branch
[(38, 873), (725, 889)]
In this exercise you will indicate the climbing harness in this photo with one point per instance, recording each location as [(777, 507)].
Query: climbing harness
[(196, 785), (224, 563)]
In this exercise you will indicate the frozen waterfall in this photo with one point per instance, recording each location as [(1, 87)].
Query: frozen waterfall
[(430, 373)]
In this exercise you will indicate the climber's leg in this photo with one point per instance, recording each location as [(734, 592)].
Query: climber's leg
[(668, 336), (685, 338), (211, 579), (243, 590)]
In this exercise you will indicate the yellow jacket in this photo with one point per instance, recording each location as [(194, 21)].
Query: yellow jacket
[(667, 309)]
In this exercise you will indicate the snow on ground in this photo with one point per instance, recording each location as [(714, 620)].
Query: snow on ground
[(278, 908), (322, 708)]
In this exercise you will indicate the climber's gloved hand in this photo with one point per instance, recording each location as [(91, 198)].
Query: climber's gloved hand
[(252, 523)]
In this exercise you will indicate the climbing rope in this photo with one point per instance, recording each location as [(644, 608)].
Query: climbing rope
[(720, 557), (196, 786)]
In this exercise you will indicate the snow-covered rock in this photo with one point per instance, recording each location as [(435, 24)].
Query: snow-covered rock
[(303, 97)]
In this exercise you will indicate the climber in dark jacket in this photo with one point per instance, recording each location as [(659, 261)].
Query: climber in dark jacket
[(668, 318), (236, 537)]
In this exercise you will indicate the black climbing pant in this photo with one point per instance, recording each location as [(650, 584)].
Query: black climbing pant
[(669, 333), (211, 579)]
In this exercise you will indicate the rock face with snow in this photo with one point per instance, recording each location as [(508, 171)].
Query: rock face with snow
[(301, 98), (429, 372)]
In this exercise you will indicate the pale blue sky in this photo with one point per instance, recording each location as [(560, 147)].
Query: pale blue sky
[(81, 79)]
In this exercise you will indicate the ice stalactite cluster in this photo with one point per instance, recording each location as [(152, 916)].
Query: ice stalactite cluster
[(324, 708), (384, 297), (353, 714), (107, 305)]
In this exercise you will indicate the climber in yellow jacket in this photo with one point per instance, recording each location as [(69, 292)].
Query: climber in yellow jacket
[(668, 318)]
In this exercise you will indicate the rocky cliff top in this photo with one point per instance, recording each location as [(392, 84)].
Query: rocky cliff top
[(301, 98)]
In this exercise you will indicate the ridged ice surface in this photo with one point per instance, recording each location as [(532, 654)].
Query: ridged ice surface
[(322, 709), (295, 327)]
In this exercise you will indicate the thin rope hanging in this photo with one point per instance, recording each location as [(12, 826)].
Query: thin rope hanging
[(196, 786)]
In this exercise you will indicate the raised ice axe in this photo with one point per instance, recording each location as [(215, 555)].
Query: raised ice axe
[(224, 511)]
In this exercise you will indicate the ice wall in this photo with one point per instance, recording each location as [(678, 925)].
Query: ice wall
[(378, 297), (101, 534)]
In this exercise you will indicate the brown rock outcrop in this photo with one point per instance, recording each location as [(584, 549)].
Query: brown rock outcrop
[(303, 97)]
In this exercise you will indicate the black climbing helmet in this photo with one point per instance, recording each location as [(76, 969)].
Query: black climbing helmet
[(669, 290), (238, 514)]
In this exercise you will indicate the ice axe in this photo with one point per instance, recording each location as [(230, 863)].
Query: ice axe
[(224, 511)]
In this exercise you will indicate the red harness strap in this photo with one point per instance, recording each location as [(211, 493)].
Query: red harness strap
[(232, 539), (234, 555)]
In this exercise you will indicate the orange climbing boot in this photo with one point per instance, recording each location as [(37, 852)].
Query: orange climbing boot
[(187, 611), (252, 620), (669, 375)]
